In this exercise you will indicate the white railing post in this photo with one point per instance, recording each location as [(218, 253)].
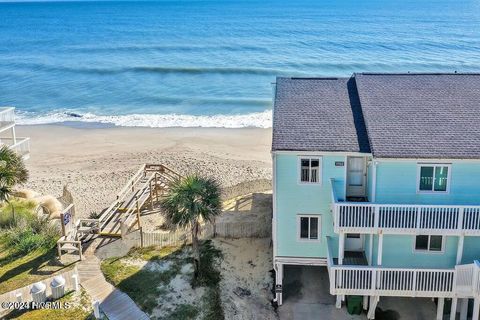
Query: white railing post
[(461, 212), (376, 218)]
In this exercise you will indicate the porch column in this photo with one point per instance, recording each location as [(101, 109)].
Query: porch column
[(464, 309), (380, 249), (476, 307), (279, 283), (453, 310), (341, 247), (460, 248), (440, 304), (341, 253)]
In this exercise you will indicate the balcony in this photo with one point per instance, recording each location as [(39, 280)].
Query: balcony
[(20, 145), (367, 217), (462, 281), (7, 118)]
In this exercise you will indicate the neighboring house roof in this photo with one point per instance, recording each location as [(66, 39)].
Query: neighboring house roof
[(318, 114), (421, 115), (430, 116)]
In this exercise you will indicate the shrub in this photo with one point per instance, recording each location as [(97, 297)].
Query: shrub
[(24, 210), (28, 232)]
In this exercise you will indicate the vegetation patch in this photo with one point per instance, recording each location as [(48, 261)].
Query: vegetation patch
[(27, 247), (161, 282)]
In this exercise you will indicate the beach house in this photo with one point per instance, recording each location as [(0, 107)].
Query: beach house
[(376, 179), (8, 136)]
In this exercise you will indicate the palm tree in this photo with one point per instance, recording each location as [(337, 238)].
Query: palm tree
[(188, 202), (12, 172)]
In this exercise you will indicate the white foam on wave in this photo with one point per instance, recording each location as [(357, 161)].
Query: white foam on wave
[(257, 119)]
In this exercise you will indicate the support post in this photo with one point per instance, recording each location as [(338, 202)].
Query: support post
[(76, 283), (373, 306), (96, 309), (59, 249), (453, 310), (141, 237), (440, 304), (279, 283), (380, 249), (464, 309), (79, 243), (460, 248), (476, 308), (341, 247)]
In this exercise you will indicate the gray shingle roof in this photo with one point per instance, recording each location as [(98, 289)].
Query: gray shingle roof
[(431, 116), (320, 114), (421, 115)]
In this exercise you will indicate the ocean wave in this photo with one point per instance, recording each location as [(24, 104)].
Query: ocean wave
[(257, 119), (156, 69)]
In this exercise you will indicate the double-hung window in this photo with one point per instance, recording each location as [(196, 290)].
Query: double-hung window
[(309, 227), (310, 169), (434, 178), (429, 243)]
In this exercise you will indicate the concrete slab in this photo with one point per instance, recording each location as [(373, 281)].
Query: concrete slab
[(306, 296)]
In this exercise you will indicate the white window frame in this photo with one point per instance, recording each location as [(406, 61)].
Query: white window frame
[(428, 251), (299, 170), (319, 227), (434, 165)]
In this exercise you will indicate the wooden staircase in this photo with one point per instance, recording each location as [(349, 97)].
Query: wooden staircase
[(149, 183)]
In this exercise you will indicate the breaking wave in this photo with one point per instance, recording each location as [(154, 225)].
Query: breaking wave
[(257, 119)]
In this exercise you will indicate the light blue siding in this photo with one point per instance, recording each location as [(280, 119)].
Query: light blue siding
[(397, 183), (398, 251), (293, 198)]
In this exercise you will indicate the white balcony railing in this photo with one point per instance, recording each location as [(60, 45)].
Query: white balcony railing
[(461, 281), (19, 145), (366, 217)]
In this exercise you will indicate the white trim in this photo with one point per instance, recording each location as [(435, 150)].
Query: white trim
[(300, 261), (434, 165), (374, 180), (299, 170), (425, 160), (274, 205), (345, 172), (321, 153), (319, 227), (365, 154), (428, 251)]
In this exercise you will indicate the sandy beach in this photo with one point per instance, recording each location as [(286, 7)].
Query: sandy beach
[(96, 162)]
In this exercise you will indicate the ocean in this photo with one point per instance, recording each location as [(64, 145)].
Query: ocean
[(212, 63)]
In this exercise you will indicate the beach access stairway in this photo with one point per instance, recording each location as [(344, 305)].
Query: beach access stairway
[(145, 188)]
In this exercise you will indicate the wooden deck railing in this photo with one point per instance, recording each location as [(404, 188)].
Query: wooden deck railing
[(366, 217), (461, 281)]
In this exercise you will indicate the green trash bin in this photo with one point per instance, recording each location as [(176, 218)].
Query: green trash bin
[(354, 304)]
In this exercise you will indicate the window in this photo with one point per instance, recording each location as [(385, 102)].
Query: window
[(309, 228), (429, 243), (434, 178), (309, 170)]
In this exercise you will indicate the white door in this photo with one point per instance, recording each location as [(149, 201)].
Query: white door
[(356, 176), (353, 242)]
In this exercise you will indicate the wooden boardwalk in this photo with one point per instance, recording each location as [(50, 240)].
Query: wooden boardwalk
[(114, 303)]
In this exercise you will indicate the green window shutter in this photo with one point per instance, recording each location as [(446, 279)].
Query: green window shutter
[(426, 178)]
